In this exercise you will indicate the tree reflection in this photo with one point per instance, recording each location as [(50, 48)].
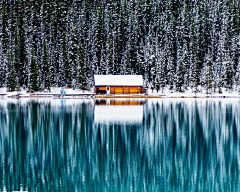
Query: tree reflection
[(180, 145)]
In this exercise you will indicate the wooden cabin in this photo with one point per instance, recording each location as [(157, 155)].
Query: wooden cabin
[(118, 84)]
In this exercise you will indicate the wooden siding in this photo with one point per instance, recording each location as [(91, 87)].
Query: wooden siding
[(112, 90), (133, 90), (102, 88), (119, 89)]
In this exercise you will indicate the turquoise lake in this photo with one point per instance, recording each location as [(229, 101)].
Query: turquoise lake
[(120, 145)]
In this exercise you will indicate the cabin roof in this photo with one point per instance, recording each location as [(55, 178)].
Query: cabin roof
[(118, 80)]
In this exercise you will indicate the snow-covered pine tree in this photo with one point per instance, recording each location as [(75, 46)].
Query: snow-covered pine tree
[(81, 69), (206, 74), (45, 69), (237, 77), (115, 33), (228, 71), (21, 46), (92, 46), (160, 68), (233, 31), (11, 82), (66, 63), (194, 61), (127, 56), (182, 64), (34, 81), (3, 44), (73, 45), (109, 39)]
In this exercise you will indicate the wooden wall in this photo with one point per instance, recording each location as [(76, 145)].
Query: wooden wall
[(119, 89)]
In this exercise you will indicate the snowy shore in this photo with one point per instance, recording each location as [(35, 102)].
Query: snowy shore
[(70, 93)]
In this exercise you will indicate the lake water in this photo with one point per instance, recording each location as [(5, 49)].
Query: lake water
[(120, 145)]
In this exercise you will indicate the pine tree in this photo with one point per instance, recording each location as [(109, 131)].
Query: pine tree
[(237, 77), (82, 69), (3, 65), (45, 78), (169, 42), (66, 63), (194, 48), (182, 63), (11, 77), (20, 43), (160, 76), (228, 72), (4, 42), (34, 73), (224, 62), (206, 75), (83, 38)]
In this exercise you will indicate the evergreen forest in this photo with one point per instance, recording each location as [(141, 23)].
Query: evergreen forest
[(177, 44)]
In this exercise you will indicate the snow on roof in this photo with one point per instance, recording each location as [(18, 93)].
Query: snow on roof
[(118, 80)]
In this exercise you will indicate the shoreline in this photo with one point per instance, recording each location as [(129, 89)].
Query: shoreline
[(69, 93), (94, 96)]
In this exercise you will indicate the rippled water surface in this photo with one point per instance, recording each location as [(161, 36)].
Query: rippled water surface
[(120, 145)]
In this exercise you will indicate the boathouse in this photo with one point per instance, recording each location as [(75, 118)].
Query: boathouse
[(118, 84)]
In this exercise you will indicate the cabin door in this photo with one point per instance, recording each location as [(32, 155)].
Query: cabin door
[(108, 90)]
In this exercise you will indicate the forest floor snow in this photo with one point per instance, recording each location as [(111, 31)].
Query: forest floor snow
[(192, 93), (162, 93)]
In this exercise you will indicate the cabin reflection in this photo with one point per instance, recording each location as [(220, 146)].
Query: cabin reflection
[(118, 111), (118, 102)]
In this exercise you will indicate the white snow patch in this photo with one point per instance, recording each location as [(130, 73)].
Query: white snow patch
[(191, 93)]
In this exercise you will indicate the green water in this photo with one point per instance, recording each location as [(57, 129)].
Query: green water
[(154, 145)]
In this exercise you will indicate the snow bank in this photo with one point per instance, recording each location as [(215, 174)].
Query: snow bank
[(191, 93), (166, 92)]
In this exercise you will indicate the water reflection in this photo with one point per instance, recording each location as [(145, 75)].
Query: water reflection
[(168, 145), (119, 102), (118, 111)]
